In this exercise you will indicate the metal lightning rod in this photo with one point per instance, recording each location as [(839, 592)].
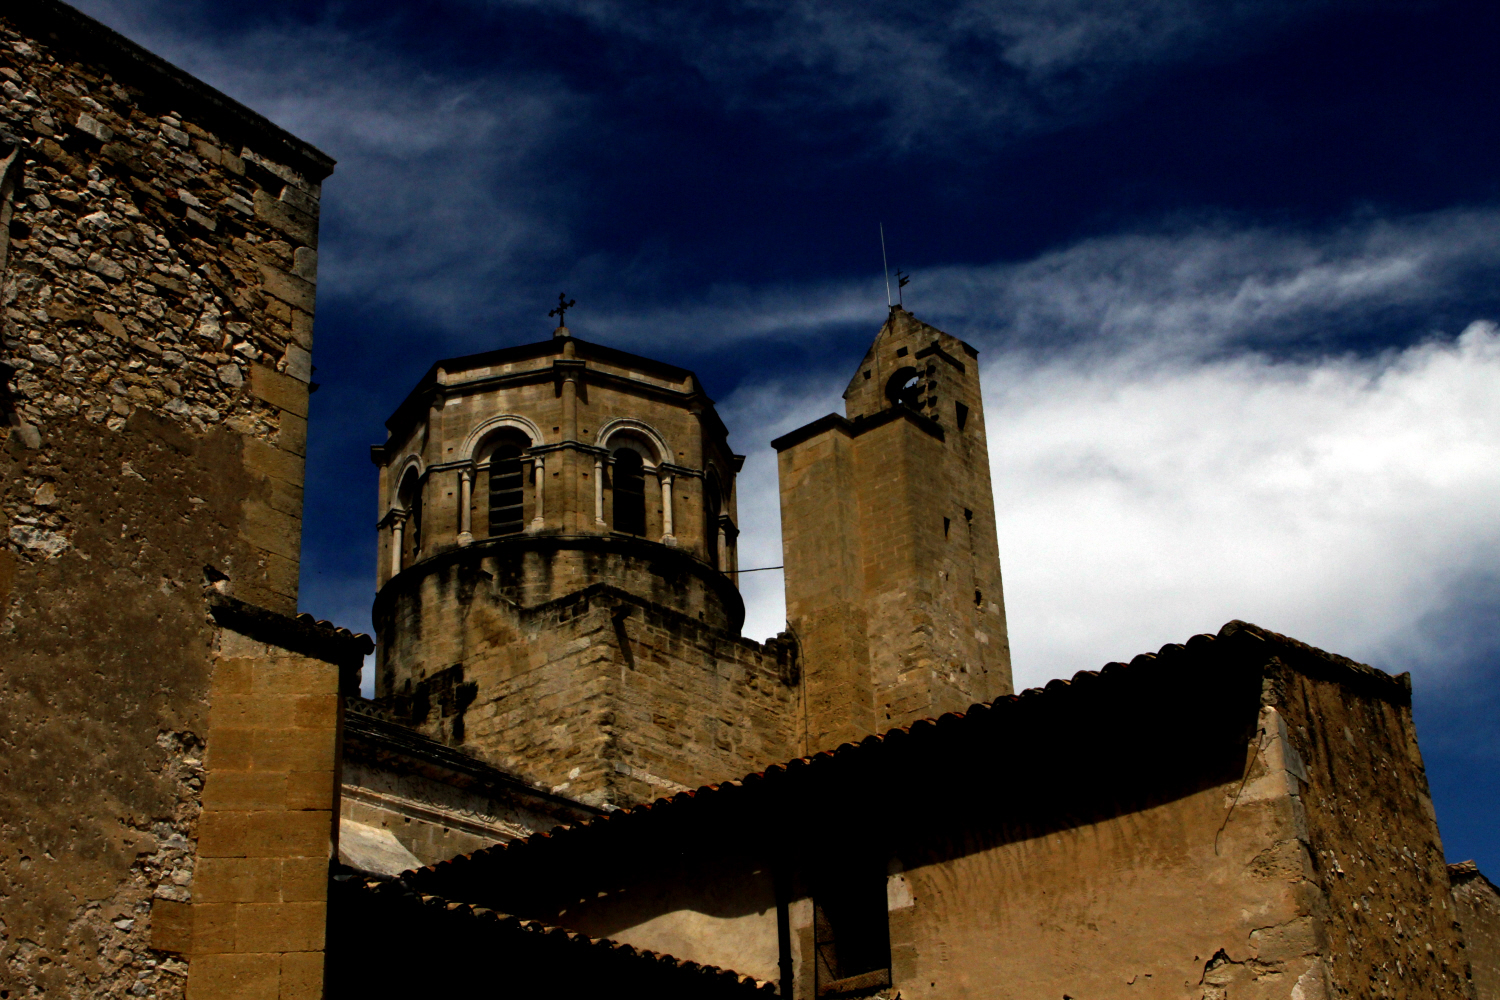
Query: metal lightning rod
[(886, 266)]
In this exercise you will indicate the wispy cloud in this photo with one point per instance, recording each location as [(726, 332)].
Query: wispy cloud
[(442, 193), (948, 72), (1195, 290)]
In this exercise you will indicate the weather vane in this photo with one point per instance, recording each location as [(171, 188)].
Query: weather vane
[(563, 305), (901, 281)]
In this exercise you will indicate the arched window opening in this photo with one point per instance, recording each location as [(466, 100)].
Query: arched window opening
[(712, 504), (629, 475), (410, 499), (507, 490), (905, 388)]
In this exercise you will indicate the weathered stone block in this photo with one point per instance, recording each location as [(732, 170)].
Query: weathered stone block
[(236, 976), (279, 390), (280, 927), (286, 219), (310, 789), (244, 790), (302, 976), (294, 291), (222, 834), (237, 880), (268, 528), (171, 926), (305, 880), (264, 459), (288, 834)]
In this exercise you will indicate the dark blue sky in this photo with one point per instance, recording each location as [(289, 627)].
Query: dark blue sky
[(1217, 255)]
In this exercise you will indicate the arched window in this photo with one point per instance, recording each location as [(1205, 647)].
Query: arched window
[(410, 499), (629, 476), (711, 507), (905, 388), (507, 489)]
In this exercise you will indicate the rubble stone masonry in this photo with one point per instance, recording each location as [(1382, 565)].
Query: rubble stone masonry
[(159, 259)]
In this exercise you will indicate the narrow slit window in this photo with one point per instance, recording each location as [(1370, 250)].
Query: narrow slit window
[(629, 492), (962, 413), (507, 490), (711, 507)]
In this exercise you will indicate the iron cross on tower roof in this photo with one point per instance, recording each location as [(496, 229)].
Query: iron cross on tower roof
[(563, 305)]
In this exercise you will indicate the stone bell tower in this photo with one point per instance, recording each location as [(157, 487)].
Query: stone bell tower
[(556, 584), (888, 532)]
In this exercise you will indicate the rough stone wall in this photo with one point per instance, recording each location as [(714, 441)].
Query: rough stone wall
[(157, 304), (1477, 903), (606, 698), (155, 265), (1371, 832)]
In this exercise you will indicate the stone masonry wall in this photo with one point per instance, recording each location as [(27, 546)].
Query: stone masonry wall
[(156, 302), (1477, 903), (888, 526), (606, 698), (154, 265), (1371, 832)]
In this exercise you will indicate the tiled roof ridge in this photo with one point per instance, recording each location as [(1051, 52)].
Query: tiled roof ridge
[(1466, 871), (338, 630), (1396, 687), (299, 633), (920, 729), (397, 887)]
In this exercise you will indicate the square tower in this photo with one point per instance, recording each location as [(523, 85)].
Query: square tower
[(888, 531)]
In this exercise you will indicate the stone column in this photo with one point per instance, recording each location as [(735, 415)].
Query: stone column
[(465, 502), (599, 492), (398, 523), (666, 509), (541, 478)]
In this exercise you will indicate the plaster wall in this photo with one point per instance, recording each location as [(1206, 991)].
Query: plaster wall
[(723, 918)]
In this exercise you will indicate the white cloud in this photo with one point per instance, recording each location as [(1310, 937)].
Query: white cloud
[(1155, 477), (1336, 500)]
